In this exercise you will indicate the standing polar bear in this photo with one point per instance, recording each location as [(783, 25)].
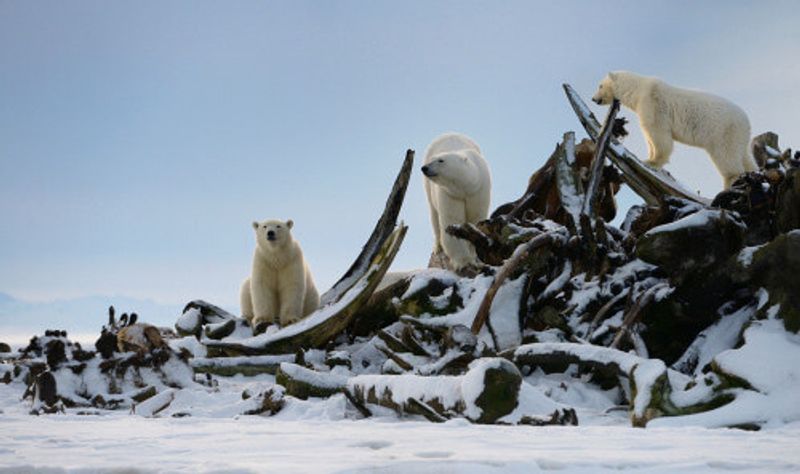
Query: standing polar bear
[(280, 288), (667, 113), (458, 187)]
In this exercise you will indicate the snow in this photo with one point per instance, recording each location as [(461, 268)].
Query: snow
[(746, 255), (472, 383), (423, 277), (644, 372), (768, 359), (250, 444), (698, 219), (318, 379), (189, 321), (504, 314), (721, 336), (203, 430)]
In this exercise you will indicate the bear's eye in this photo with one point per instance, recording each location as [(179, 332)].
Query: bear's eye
[(440, 160), (279, 227)]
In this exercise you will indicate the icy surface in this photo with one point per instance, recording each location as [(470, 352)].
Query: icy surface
[(118, 443)]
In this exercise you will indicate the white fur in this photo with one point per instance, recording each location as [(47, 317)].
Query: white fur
[(458, 187), (668, 113), (280, 288)]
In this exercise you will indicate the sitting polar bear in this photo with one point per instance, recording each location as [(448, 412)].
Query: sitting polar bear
[(280, 288), (695, 118), (458, 187)]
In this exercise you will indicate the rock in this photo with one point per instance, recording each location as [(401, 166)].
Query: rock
[(4, 348), (500, 388), (774, 267), (752, 197), (693, 243), (787, 202)]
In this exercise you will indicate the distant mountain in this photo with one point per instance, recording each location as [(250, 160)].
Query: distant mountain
[(19, 320)]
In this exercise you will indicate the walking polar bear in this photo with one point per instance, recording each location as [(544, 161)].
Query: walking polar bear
[(458, 186), (667, 113), (280, 288)]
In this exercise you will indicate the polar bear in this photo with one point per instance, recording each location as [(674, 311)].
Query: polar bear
[(668, 113), (458, 187), (280, 288)]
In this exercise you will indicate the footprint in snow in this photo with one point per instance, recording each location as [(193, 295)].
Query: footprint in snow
[(433, 454), (372, 444)]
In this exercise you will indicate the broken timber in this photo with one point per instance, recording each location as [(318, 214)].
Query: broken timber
[(599, 159)]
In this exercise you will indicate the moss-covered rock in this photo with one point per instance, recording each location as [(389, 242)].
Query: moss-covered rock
[(694, 243), (787, 203), (774, 267), (500, 395)]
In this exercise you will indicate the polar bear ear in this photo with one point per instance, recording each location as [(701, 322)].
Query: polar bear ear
[(255, 225), (612, 76), (289, 223)]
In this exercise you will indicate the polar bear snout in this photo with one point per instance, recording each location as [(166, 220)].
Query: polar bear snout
[(597, 100), (271, 235), (427, 171)]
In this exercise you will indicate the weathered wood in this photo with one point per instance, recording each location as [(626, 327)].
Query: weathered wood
[(633, 315), (250, 365), (647, 378), (303, 383), (505, 271), (648, 183), (402, 363), (380, 234), (486, 393), (568, 183), (596, 173)]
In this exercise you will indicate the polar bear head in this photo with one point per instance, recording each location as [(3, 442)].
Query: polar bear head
[(605, 91), (273, 234), (453, 171)]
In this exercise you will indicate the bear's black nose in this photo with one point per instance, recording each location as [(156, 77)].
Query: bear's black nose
[(596, 101), (271, 235), (426, 171)]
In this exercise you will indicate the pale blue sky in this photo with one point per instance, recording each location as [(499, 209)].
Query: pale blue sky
[(138, 140)]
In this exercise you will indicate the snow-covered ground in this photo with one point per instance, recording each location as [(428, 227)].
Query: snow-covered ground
[(323, 436)]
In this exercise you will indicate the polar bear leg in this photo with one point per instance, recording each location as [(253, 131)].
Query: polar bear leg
[(731, 169), (246, 301), (660, 145), (292, 294), (437, 240), (453, 211), (265, 304)]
